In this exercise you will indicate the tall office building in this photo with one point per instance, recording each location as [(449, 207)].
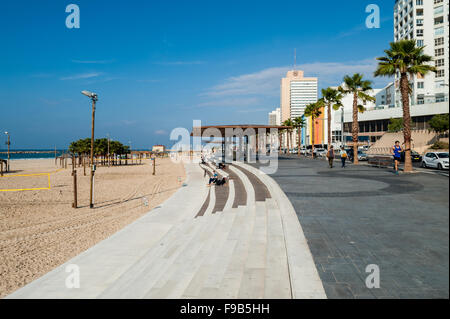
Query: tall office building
[(296, 92), (427, 22)]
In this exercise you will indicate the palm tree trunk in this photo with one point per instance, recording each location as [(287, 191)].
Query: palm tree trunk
[(312, 137), (292, 140), (299, 141), (280, 139), (404, 87), (355, 129), (287, 141), (329, 125)]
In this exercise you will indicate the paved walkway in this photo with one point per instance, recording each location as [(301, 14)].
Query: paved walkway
[(239, 241), (361, 215)]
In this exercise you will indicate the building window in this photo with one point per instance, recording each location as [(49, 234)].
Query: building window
[(419, 22), (440, 73), (420, 43), (440, 98), (439, 31), (438, 20), (440, 62), (439, 52), (439, 10), (420, 85), (420, 99), (420, 32), (439, 84), (439, 41), (419, 2), (438, 1)]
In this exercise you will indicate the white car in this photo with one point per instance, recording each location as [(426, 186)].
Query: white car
[(435, 159), (320, 152)]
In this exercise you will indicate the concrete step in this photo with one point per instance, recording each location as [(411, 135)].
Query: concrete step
[(231, 195), (276, 281), (252, 285), (141, 276), (212, 200), (179, 273), (214, 258), (247, 185), (231, 281)]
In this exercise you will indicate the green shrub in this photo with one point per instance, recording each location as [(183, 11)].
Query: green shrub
[(439, 146)]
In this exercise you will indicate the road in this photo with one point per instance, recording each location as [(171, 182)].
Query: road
[(361, 215)]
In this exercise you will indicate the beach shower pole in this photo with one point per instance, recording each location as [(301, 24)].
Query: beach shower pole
[(94, 99), (8, 143), (109, 157)]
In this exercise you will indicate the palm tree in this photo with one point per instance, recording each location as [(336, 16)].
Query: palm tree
[(332, 98), (314, 110), (299, 123), (359, 88), (289, 123), (405, 58)]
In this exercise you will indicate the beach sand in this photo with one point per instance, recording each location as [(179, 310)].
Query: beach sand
[(39, 229)]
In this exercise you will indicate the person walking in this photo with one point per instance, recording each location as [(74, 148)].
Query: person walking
[(330, 156), (397, 153), (343, 156)]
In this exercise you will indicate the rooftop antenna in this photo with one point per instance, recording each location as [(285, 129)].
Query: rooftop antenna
[(295, 58)]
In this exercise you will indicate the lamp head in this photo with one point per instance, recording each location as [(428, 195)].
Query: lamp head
[(90, 95)]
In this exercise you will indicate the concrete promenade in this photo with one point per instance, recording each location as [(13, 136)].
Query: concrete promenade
[(241, 240), (362, 215)]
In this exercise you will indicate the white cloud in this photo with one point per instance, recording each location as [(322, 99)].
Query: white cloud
[(262, 82), (81, 76), (93, 61), (180, 63), (238, 102), (250, 89), (161, 132)]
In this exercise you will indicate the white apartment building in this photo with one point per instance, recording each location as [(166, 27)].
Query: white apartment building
[(426, 21), (341, 116), (275, 117)]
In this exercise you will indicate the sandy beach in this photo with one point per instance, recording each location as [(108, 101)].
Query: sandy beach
[(40, 230)]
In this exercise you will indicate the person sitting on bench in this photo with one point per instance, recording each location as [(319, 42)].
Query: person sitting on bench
[(213, 179), (221, 182)]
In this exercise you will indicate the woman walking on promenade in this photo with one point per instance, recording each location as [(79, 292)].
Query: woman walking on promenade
[(343, 156), (330, 156)]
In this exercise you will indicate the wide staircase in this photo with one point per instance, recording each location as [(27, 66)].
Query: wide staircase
[(421, 141), (239, 240)]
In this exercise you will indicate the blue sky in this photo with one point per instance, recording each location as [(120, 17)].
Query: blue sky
[(158, 65)]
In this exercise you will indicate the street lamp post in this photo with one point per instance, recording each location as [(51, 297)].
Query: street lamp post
[(108, 153), (342, 127), (94, 99), (9, 157)]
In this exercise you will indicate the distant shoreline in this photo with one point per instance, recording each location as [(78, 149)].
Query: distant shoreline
[(28, 152)]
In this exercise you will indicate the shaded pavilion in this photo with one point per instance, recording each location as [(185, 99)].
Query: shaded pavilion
[(199, 131)]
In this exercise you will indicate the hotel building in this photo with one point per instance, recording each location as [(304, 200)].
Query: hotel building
[(297, 92), (426, 21)]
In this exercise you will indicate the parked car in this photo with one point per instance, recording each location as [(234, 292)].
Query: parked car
[(435, 159), (416, 157), (320, 152), (349, 153), (362, 156)]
